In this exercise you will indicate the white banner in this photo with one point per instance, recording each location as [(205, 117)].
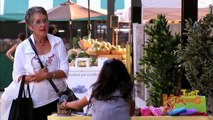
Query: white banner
[(47, 4), (1, 7)]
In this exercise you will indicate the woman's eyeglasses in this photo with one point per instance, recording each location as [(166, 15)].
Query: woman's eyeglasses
[(40, 22)]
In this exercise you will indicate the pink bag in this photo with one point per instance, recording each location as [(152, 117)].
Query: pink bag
[(156, 111), (145, 111)]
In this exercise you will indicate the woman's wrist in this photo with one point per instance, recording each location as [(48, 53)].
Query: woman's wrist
[(52, 75)]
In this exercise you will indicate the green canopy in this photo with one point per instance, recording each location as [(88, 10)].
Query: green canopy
[(12, 17)]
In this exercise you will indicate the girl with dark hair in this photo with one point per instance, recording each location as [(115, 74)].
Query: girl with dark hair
[(111, 96)]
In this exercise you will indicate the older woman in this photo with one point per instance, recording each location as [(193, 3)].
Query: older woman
[(52, 52)]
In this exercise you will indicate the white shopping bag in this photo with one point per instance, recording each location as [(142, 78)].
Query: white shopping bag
[(10, 93), (5, 108)]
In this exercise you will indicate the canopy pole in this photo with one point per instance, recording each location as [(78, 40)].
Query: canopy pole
[(89, 26), (110, 11), (70, 27)]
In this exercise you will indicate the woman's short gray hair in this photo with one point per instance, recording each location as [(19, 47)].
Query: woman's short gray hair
[(31, 11)]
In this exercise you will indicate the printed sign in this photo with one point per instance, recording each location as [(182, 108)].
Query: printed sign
[(187, 99)]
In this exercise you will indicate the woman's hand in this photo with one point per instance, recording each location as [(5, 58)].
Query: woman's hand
[(29, 78), (42, 74)]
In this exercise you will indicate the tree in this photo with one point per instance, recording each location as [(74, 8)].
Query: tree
[(159, 67), (197, 57)]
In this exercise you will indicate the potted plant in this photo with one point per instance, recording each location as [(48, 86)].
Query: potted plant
[(159, 67), (197, 57)]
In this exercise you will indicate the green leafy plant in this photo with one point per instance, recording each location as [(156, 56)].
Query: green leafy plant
[(159, 67), (197, 57), (75, 42)]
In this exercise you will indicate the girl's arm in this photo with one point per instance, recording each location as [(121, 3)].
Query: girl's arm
[(10, 52), (77, 104)]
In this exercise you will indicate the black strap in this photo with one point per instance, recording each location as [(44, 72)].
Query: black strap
[(21, 89), (42, 66), (34, 49)]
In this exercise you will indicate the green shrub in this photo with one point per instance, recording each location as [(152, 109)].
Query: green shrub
[(197, 57), (159, 67)]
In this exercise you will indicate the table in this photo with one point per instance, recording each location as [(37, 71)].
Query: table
[(78, 117)]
